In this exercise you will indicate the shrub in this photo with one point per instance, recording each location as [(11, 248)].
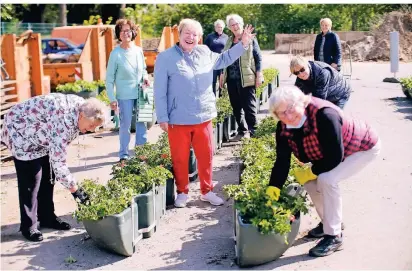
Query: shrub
[(406, 82), (258, 155), (139, 175)]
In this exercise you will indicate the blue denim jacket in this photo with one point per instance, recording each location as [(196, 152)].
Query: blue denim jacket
[(183, 83)]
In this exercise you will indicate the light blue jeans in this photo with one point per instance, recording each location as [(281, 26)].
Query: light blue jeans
[(126, 114)]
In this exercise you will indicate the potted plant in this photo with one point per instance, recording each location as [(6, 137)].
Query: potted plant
[(68, 88), (110, 210), (264, 229), (406, 84), (89, 89), (81, 88), (271, 76), (101, 85), (224, 110), (132, 203)]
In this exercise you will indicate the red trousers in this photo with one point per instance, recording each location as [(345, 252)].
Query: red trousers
[(200, 136)]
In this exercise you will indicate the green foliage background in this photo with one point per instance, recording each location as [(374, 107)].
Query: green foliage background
[(268, 19)]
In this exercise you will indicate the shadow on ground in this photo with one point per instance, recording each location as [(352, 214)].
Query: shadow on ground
[(52, 252), (217, 240), (402, 105)]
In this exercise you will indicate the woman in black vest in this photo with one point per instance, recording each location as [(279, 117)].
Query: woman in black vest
[(242, 78), (327, 45), (337, 146), (321, 80)]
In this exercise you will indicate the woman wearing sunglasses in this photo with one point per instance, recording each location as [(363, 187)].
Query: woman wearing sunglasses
[(338, 147), (321, 80)]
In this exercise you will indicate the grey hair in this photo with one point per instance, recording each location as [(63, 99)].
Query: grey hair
[(289, 94), (298, 61), (190, 22), (94, 110), (327, 21), (219, 21), (236, 18)]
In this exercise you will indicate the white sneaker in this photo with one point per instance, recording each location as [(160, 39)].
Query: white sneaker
[(212, 198), (181, 200)]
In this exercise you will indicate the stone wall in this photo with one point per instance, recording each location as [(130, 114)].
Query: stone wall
[(303, 43)]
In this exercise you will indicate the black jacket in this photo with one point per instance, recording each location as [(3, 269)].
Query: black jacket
[(332, 52), (326, 83)]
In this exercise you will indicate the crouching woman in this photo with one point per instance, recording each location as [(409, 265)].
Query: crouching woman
[(338, 147)]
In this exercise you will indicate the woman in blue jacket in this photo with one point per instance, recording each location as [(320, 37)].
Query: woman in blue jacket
[(186, 105), (127, 71), (327, 45)]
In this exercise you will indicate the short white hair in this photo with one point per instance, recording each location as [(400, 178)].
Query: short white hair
[(327, 21), (190, 22), (219, 21), (289, 94), (94, 110), (236, 18)]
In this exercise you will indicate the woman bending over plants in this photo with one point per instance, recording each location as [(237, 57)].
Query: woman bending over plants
[(317, 131)]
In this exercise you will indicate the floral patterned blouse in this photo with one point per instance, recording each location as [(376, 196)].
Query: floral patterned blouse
[(44, 125)]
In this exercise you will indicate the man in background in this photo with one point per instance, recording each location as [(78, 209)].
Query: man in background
[(216, 42)]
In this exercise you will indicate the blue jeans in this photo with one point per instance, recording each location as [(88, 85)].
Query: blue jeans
[(126, 114)]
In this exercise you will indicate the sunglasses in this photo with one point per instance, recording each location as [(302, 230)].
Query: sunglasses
[(299, 71)]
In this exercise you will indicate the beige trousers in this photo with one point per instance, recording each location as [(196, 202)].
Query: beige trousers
[(325, 193)]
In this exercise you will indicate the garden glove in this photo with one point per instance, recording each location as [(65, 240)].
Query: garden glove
[(304, 175), (273, 193), (81, 195)]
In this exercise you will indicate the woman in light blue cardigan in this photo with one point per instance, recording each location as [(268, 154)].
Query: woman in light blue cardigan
[(127, 71)]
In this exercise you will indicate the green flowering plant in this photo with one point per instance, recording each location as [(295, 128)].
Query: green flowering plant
[(155, 154), (268, 75), (138, 175), (258, 155)]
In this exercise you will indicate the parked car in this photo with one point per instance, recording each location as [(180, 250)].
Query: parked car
[(59, 45)]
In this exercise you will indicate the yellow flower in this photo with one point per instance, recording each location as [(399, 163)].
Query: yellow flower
[(263, 222), (269, 203)]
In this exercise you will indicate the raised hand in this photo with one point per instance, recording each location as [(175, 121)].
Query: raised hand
[(247, 36)]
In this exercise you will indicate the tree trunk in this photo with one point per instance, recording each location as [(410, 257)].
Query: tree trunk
[(121, 12), (354, 20), (63, 14), (42, 8)]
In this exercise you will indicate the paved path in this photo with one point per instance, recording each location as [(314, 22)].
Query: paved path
[(377, 201)]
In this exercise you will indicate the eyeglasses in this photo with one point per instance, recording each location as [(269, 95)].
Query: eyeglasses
[(126, 31), (299, 71), (289, 110)]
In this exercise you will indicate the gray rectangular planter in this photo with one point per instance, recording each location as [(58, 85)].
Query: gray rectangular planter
[(265, 94), (227, 129), (152, 206), (254, 248), (193, 173), (234, 125), (170, 191), (270, 89), (116, 233), (273, 85), (214, 140), (219, 141), (83, 94)]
